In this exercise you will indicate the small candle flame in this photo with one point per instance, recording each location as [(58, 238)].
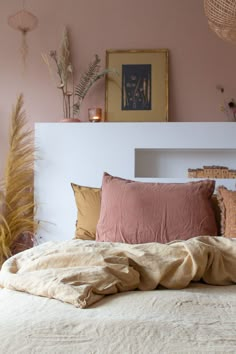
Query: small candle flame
[(95, 114)]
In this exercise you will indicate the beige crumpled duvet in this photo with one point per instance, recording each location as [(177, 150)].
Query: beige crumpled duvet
[(83, 272)]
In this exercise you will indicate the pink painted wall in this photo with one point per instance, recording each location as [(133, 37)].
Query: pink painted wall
[(199, 60)]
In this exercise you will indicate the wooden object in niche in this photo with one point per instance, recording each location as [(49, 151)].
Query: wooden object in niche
[(212, 172)]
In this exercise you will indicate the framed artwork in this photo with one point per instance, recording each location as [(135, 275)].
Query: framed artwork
[(139, 90)]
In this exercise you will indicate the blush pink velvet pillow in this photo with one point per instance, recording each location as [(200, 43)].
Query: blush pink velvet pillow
[(138, 212)]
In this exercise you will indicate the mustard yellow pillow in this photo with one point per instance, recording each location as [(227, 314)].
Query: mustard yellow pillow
[(88, 202)]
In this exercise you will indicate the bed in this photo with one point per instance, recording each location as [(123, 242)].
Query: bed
[(195, 315)]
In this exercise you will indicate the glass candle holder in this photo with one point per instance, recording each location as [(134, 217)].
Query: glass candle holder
[(95, 114)]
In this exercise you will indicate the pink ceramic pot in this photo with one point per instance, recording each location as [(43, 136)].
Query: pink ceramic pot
[(70, 120)]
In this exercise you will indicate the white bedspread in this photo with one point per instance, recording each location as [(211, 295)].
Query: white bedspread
[(198, 319)]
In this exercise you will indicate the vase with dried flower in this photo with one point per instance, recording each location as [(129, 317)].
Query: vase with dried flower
[(73, 94)]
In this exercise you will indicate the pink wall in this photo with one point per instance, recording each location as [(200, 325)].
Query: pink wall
[(199, 60)]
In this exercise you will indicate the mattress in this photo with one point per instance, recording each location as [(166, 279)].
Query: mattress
[(197, 319)]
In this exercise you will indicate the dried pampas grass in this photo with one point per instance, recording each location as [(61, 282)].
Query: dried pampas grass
[(17, 206)]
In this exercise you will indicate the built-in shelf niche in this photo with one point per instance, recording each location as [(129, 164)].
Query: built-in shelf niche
[(173, 163)]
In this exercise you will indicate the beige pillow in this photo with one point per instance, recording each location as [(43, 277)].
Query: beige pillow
[(88, 202), (227, 202)]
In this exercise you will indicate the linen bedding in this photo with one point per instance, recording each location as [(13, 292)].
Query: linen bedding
[(83, 272), (199, 318)]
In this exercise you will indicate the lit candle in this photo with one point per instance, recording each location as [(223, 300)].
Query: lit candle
[(95, 114)]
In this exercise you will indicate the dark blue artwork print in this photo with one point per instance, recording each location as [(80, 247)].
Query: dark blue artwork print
[(136, 87)]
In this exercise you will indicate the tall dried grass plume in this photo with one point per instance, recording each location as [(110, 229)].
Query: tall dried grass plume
[(17, 206)]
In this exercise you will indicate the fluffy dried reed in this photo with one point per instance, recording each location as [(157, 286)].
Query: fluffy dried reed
[(17, 206)]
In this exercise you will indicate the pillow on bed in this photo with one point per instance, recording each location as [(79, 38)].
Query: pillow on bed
[(227, 202), (88, 202), (138, 212), (217, 211)]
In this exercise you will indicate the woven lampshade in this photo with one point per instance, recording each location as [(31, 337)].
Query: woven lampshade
[(221, 16), (226, 33)]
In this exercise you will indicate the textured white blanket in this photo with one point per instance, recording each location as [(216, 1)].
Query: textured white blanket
[(82, 272)]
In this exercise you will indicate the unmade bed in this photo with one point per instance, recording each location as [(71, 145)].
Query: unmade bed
[(122, 281), (196, 318)]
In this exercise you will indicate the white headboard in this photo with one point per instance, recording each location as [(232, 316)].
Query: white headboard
[(81, 152)]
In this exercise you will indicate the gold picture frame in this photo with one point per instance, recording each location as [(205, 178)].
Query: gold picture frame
[(139, 91)]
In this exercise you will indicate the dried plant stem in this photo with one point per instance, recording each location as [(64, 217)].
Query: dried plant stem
[(17, 196), (71, 106)]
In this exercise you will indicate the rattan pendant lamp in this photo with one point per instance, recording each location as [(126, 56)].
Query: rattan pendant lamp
[(221, 16)]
